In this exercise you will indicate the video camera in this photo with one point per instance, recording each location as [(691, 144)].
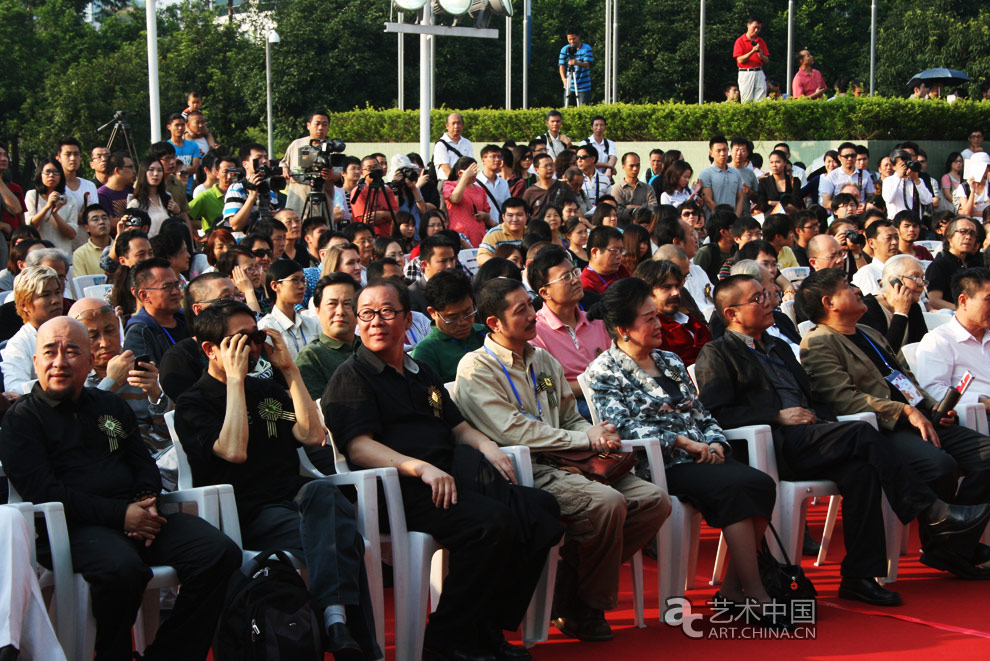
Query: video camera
[(269, 181), (317, 156), (570, 54)]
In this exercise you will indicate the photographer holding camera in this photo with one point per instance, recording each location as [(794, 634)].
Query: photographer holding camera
[(241, 197), (372, 202), (576, 59), (904, 190)]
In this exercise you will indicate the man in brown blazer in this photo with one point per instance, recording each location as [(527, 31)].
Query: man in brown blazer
[(854, 369)]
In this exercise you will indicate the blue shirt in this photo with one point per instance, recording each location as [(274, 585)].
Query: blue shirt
[(186, 153), (582, 74)]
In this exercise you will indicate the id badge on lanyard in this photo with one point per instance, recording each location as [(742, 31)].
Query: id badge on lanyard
[(897, 379)]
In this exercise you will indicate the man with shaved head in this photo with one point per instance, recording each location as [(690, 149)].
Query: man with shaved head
[(81, 447), (825, 252), (133, 379), (452, 145)]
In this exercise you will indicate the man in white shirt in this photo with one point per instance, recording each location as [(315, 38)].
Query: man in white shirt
[(79, 192), (556, 141), (496, 188), (962, 345), (846, 173), (595, 183), (881, 237), (975, 143), (904, 189), (451, 146), (606, 148)]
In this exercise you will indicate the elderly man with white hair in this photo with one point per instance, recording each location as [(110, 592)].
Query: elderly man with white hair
[(895, 310)]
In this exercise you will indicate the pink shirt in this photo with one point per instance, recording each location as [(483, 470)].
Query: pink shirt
[(573, 351), (462, 215), (806, 84)]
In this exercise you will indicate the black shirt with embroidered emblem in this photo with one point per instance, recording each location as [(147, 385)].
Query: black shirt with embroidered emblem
[(270, 473), (87, 454), (411, 413)]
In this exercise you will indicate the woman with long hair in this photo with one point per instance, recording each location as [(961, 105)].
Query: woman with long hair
[(677, 184), (779, 183), (953, 176), (522, 178), (46, 207), (577, 237), (151, 195), (636, 241), (565, 159), (217, 243), (385, 246)]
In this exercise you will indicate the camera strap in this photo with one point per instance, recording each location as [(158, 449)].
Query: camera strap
[(450, 147), (491, 196)]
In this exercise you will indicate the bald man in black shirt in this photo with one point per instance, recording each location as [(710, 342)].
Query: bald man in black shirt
[(82, 447)]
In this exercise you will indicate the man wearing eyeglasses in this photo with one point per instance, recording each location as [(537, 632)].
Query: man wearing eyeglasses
[(207, 207), (243, 431), (596, 183), (159, 324), (958, 254), (846, 173), (386, 409), (905, 189), (318, 360), (562, 326), (605, 253), (455, 330)]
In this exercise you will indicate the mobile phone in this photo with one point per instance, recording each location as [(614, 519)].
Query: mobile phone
[(61, 199), (896, 282), (145, 358)]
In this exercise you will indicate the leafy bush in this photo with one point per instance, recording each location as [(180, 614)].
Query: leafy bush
[(847, 118)]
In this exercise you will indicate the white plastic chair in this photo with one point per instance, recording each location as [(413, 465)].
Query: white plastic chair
[(468, 257), (787, 307), (7, 296), (79, 283), (805, 327), (935, 319), (97, 291), (364, 483), (973, 416), (80, 617), (796, 274), (198, 265), (677, 539)]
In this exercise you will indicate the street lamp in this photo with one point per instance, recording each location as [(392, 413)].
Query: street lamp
[(271, 38)]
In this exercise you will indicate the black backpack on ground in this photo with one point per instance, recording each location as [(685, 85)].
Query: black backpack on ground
[(269, 614)]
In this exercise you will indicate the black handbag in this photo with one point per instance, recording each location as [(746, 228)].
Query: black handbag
[(783, 581)]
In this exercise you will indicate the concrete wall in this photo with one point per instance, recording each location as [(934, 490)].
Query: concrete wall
[(696, 153)]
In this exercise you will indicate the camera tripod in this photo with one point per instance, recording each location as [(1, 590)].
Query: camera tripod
[(123, 129), (316, 204), (376, 190), (572, 92)]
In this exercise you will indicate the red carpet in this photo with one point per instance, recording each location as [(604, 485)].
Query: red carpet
[(850, 629)]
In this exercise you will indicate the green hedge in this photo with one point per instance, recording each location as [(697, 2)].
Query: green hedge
[(849, 118)]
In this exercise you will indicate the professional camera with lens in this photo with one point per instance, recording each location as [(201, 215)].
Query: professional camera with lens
[(269, 181), (913, 166), (570, 54), (855, 238), (317, 156)]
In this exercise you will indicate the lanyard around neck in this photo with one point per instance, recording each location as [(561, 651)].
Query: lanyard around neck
[(536, 392), (879, 353)]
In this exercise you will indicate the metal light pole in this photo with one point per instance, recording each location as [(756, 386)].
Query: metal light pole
[(527, 15), (615, 51), (425, 74), (151, 20), (608, 51), (401, 55), (873, 45), (508, 62), (701, 55), (271, 38), (790, 44)]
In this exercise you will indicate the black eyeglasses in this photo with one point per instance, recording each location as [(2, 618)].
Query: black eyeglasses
[(852, 155), (387, 314), (760, 299), (261, 252)]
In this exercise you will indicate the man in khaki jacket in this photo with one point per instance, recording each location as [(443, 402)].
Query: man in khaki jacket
[(517, 394), (854, 369)]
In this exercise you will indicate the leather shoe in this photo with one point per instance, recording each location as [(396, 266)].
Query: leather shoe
[(591, 627), (340, 641), (946, 560), (506, 651), (868, 590), (431, 653), (810, 546), (959, 519), (8, 653), (981, 554)]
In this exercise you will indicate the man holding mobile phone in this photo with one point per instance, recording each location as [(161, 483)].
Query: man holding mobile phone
[(751, 55)]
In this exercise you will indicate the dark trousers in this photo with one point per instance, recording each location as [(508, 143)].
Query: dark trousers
[(864, 464), (319, 527), (498, 536), (963, 451), (117, 569)]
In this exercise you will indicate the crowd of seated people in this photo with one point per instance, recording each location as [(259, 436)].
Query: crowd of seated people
[(227, 307)]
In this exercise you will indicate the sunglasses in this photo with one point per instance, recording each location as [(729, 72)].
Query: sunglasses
[(261, 252)]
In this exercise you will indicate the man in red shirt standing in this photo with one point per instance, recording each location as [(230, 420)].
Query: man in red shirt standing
[(808, 82), (751, 56)]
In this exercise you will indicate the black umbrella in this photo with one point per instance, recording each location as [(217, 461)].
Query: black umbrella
[(938, 75)]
